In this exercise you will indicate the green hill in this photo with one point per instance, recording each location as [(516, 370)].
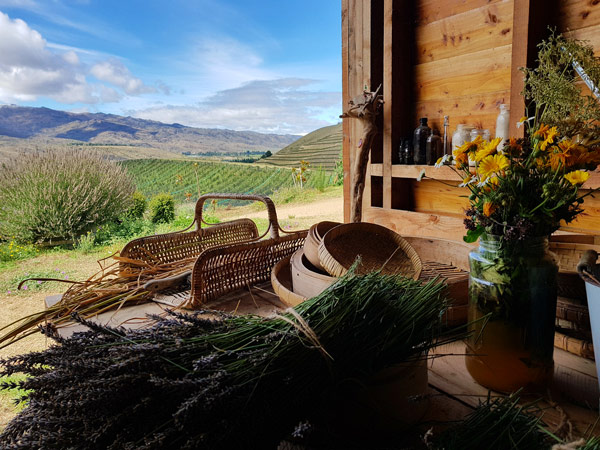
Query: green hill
[(320, 148)]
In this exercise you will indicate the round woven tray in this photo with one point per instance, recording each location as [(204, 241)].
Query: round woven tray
[(378, 247), (313, 240)]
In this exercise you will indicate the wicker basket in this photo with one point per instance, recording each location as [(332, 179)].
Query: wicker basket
[(229, 255), (378, 247), (223, 269), (313, 240), (170, 247)]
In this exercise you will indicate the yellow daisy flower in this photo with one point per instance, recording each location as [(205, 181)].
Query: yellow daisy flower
[(550, 135), (469, 146), (578, 177), (488, 149), (493, 164)]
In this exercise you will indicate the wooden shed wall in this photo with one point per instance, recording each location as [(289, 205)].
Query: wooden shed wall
[(459, 58)]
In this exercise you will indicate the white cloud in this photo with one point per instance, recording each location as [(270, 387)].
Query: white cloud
[(116, 73), (30, 68), (267, 106)]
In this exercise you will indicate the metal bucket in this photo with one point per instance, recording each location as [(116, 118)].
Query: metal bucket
[(590, 273)]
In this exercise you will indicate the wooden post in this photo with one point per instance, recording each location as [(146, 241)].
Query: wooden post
[(531, 22)]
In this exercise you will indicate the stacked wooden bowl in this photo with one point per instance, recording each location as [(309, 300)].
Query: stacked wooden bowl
[(331, 249)]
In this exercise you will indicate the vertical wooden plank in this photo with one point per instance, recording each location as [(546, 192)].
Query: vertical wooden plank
[(357, 87), (345, 98), (388, 56), (366, 83), (531, 22)]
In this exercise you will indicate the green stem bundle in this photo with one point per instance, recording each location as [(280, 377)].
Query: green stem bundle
[(236, 382)]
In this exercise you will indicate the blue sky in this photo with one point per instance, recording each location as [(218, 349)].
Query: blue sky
[(267, 66)]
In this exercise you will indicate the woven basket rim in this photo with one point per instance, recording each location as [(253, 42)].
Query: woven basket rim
[(337, 263)]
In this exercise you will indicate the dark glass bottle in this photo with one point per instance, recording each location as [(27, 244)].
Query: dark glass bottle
[(422, 132), (434, 148)]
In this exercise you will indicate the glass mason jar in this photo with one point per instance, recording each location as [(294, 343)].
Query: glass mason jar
[(512, 312)]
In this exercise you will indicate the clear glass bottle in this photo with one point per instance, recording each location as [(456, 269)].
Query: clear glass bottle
[(434, 148), (408, 152), (422, 132), (512, 311), (502, 123), (474, 133), (401, 155)]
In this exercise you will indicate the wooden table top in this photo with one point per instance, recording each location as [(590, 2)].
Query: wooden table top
[(569, 406)]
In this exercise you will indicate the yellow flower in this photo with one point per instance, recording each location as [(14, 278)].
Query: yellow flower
[(493, 164), (578, 177), (462, 159), (550, 135), (488, 149), (557, 160), (489, 208), (469, 147), (542, 131), (494, 182), (513, 148)]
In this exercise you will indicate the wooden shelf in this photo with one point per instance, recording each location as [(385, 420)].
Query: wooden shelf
[(413, 171), (447, 173)]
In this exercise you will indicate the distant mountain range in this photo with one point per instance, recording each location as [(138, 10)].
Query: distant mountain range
[(28, 127)]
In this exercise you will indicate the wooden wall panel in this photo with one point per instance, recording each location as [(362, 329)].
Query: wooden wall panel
[(464, 62), (468, 32), (589, 34), (577, 14), (429, 10), (480, 108)]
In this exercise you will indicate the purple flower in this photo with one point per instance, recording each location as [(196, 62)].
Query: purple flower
[(9, 292), (63, 272), (66, 277), (25, 287), (39, 282)]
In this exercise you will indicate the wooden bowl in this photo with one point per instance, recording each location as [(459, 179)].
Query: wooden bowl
[(281, 280), (378, 247), (313, 240), (307, 281)]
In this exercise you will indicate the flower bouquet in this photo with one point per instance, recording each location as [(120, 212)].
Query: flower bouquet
[(520, 191)]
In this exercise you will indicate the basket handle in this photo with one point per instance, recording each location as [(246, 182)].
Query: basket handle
[(273, 222)]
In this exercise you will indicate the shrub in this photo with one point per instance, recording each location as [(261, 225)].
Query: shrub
[(162, 208), (138, 208), (59, 194), (124, 230), (320, 179)]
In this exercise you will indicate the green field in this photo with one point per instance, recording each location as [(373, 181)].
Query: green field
[(179, 177), (320, 148)]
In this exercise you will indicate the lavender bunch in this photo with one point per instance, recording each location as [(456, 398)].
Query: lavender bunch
[(234, 382)]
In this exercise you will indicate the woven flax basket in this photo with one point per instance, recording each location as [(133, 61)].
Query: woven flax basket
[(379, 248)]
